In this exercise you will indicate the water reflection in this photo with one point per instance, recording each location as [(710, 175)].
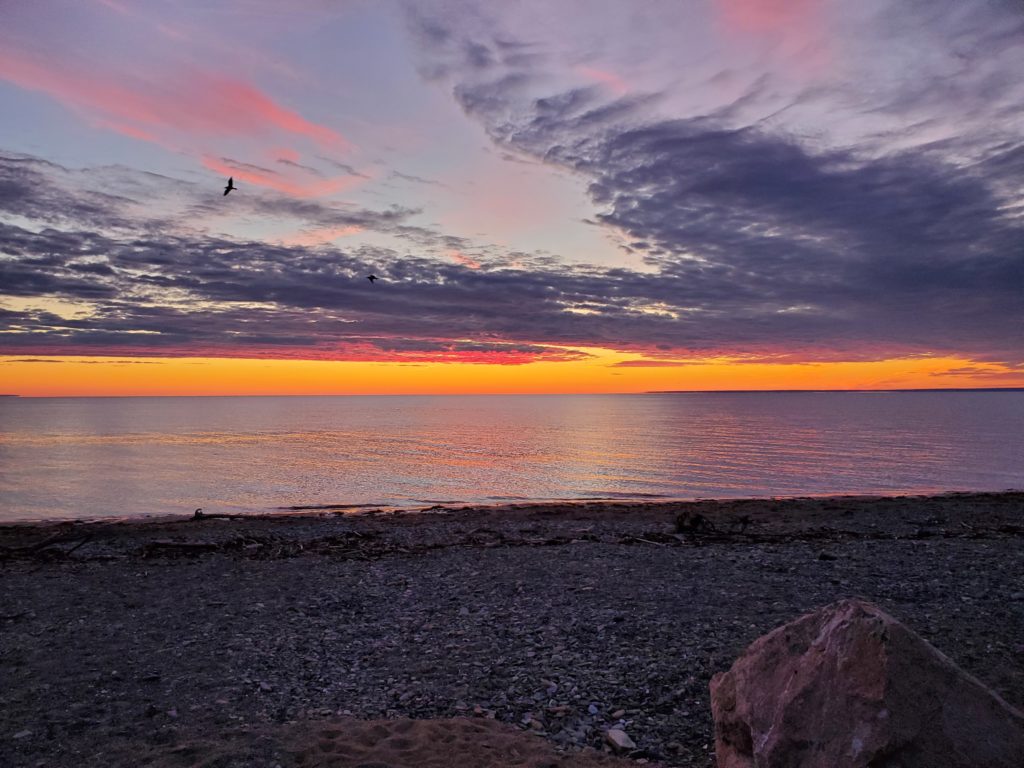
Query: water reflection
[(95, 457)]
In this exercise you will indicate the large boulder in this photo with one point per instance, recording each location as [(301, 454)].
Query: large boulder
[(848, 686)]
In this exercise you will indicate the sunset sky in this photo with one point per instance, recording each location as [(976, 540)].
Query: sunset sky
[(556, 196)]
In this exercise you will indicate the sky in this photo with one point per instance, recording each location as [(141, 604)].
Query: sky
[(557, 196)]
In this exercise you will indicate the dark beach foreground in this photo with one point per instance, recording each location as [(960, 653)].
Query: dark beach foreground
[(243, 642)]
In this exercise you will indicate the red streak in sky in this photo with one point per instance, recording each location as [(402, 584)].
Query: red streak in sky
[(316, 188), (460, 258), (353, 352), (195, 104), (768, 16), (609, 79)]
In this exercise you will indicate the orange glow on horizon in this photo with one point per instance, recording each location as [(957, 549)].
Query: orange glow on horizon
[(123, 376)]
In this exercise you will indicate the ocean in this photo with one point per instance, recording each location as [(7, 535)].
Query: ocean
[(68, 458)]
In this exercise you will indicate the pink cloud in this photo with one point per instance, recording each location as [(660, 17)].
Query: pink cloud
[(767, 16), (460, 258), (443, 351), (795, 25), (129, 130), (192, 105), (315, 188), (116, 6), (321, 235), (609, 79)]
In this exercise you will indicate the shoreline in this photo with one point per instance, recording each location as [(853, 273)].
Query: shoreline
[(454, 506), (127, 643)]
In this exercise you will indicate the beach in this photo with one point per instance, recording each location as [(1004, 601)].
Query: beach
[(236, 641)]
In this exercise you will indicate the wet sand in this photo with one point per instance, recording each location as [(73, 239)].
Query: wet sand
[(251, 642)]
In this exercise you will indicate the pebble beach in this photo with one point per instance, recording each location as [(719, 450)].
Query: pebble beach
[(234, 642)]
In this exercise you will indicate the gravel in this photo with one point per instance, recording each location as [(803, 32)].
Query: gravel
[(571, 621)]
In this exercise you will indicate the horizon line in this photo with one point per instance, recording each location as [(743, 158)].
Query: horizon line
[(549, 394)]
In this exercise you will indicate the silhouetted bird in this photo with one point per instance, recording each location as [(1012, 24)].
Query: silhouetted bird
[(231, 185), (371, 278), (198, 514)]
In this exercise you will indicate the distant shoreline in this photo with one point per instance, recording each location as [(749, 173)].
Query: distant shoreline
[(824, 391)]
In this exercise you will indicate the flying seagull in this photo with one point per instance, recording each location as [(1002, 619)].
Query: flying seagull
[(231, 185), (371, 278)]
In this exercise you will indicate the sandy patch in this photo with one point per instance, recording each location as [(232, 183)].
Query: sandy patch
[(448, 743)]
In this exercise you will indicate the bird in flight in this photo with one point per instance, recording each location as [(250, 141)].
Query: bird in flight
[(372, 278), (231, 185)]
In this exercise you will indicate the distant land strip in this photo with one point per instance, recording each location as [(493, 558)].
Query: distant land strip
[(824, 391)]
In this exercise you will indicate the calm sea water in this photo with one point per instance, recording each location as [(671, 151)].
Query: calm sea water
[(84, 457)]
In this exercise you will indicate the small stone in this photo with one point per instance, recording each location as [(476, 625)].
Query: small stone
[(619, 740), (172, 713), (22, 734), (618, 714), (592, 709), (266, 686), (463, 611)]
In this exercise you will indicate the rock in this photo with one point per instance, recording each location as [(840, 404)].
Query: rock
[(618, 714), (850, 686), (619, 740), (592, 709), (22, 735)]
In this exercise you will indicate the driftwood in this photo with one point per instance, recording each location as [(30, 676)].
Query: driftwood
[(45, 549), (696, 523), (200, 515), (689, 531), (168, 546)]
